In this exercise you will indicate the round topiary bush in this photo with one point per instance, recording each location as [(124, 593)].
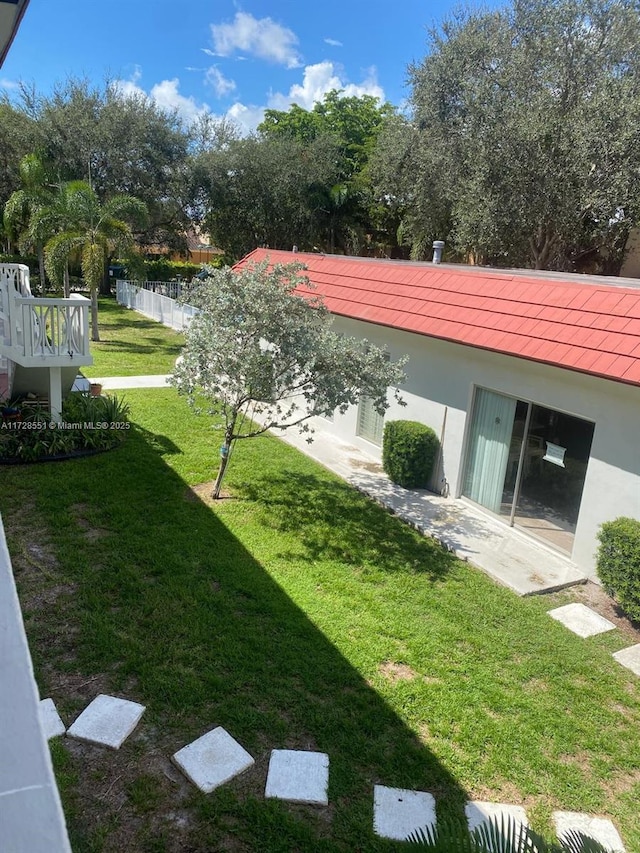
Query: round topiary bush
[(408, 453), (619, 563)]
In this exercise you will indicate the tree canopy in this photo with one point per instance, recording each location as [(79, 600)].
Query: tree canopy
[(263, 357), (518, 148), (523, 138), (122, 144)]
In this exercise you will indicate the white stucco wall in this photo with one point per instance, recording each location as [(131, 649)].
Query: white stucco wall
[(441, 377), (31, 818)]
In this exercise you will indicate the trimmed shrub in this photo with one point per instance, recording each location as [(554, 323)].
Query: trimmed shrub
[(408, 452), (619, 563)]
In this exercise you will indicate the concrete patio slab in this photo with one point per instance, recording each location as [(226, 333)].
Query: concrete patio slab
[(629, 657), (398, 812), (107, 721), (52, 725), (301, 777), (212, 759), (582, 620), (599, 828)]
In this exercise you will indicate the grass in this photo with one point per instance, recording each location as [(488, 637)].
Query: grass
[(297, 615), (131, 344)]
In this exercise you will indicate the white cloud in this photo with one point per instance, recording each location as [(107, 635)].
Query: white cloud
[(8, 84), (333, 42), (317, 80), (246, 117), (322, 78), (165, 94), (261, 37), (220, 84)]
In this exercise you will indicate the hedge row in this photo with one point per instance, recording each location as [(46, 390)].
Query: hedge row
[(619, 563)]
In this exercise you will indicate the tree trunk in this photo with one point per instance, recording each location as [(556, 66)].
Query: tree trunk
[(66, 285), (43, 285), (105, 286), (225, 450), (95, 334)]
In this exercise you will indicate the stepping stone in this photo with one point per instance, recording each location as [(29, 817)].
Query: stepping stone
[(301, 777), (397, 812), (581, 620), (629, 657), (599, 828), (107, 721), (50, 721), (478, 812), (212, 760)]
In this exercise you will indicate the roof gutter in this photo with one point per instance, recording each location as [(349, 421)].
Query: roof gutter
[(22, 8)]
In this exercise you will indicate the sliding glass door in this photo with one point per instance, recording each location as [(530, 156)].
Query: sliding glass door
[(528, 464)]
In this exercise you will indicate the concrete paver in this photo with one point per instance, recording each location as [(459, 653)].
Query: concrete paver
[(478, 813), (52, 725), (629, 657), (107, 721), (298, 776), (212, 759), (582, 620), (599, 828), (398, 812)]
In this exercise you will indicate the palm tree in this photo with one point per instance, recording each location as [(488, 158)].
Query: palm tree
[(55, 217), (24, 204), (92, 230)]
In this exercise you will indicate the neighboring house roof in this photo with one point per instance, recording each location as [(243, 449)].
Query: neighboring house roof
[(11, 12), (586, 323)]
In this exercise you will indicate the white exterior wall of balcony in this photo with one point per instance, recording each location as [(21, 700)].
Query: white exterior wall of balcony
[(43, 342)]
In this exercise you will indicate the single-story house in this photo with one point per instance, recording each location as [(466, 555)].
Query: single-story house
[(531, 380)]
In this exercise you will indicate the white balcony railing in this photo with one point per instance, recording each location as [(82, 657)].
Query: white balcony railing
[(40, 332), (53, 328)]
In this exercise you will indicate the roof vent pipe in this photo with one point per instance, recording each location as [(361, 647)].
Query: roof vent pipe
[(295, 248), (438, 246)]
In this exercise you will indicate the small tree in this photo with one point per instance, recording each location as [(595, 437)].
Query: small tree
[(259, 351)]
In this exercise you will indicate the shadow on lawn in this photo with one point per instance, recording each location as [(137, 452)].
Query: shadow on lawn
[(333, 520), (173, 611)]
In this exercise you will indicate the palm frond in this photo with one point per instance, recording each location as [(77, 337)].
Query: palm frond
[(57, 253), (126, 207), (93, 254), (16, 212), (499, 836), (577, 842), (32, 173)]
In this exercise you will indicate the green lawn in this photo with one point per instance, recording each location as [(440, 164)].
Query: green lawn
[(296, 614), (131, 345)]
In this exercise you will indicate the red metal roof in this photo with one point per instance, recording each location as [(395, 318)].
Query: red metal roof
[(589, 325)]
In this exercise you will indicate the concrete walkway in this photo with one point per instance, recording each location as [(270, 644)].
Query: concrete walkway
[(505, 554)]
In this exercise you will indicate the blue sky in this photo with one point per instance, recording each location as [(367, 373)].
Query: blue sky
[(225, 57)]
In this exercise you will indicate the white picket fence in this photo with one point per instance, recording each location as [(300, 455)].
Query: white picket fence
[(143, 298)]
